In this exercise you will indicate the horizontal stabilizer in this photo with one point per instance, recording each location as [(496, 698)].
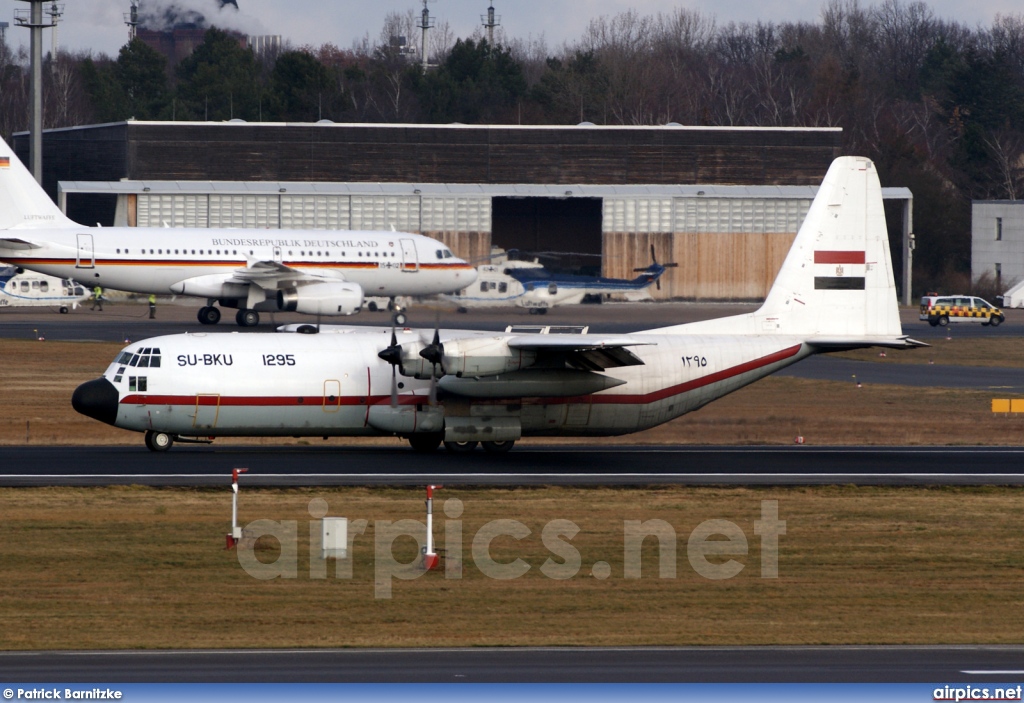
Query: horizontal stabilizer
[(836, 343), (17, 244)]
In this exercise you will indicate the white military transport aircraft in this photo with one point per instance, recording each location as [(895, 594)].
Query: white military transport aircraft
[(835, 291), (315, 271)]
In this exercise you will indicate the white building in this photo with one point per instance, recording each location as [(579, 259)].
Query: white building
[(997, 246)]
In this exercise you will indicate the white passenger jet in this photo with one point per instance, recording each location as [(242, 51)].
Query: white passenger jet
[(834, 291), (309, 271)]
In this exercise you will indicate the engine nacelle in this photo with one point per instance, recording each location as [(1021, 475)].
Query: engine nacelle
[(484, 356), (328, 298), (213, 285)]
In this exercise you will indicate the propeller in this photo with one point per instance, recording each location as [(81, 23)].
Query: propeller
[(654, 268), (393, 355), (434, 353)]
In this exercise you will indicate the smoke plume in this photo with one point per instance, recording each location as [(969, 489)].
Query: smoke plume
[(166, 15)]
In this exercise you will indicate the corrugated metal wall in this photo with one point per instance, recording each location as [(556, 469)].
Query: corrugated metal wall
[(726, 248), (463, 223)]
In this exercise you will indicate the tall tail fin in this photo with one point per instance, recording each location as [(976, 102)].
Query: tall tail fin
[(836, 283), (23, 203)]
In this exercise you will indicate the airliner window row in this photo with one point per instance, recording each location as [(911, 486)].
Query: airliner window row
[(218, 252)]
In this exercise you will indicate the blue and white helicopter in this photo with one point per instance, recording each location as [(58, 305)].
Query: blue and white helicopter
[(20, 289), (529, 284)]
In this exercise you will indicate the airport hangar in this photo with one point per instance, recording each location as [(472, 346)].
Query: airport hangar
[(723, 202)]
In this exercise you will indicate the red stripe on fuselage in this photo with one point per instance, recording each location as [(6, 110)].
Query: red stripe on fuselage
[(839, 257), (316, 401), (23, 261)]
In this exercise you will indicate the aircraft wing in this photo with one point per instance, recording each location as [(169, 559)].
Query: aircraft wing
[(584, 351), (273, 274)]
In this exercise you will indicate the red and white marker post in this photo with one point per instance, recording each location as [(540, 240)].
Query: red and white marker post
[(430, 558), (236, 531)]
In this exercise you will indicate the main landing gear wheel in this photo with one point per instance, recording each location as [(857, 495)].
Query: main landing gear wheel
[(247, 318), (63, 309), (460, 447), (497, 447), (399, 319), (426, 441), (209, 315), (158, 441)]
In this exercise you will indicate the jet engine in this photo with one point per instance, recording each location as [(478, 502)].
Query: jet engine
[(328, 298)]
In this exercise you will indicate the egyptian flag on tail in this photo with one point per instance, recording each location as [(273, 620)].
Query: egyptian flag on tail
[(839, 270)]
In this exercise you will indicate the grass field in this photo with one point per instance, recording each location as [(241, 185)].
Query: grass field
[(135, 567)]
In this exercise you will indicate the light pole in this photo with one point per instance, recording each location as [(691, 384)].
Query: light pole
[(33, 19)]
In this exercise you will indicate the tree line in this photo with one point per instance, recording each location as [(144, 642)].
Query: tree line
[(937, 105)]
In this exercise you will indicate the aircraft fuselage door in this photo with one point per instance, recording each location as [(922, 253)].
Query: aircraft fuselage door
[(86, 254), (207, 411), (332, 396), (410, 262)]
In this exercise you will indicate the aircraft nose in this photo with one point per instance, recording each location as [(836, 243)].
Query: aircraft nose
[(97, 399), (470, 276)]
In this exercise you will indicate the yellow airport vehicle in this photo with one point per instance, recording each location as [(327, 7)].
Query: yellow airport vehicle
[(940, 310)]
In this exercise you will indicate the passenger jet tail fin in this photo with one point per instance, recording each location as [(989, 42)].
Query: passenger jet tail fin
[(836, 283), (23, 203)]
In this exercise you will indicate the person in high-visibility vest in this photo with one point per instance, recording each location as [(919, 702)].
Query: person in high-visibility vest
[(152, 306), (97, 298)]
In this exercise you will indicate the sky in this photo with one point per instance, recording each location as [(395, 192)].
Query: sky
[(98, 25)]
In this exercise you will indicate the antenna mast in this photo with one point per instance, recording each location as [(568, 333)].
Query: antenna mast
[(131, 18), (55, 12), (490, 22), (426, 22)]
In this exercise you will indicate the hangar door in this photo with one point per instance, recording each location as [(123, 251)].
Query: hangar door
[(549, 224)]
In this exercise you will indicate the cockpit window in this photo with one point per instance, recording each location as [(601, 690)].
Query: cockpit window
[(147, 358)]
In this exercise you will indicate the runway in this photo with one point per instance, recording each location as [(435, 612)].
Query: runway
[(938, 664), (583, 465), (130, 321)]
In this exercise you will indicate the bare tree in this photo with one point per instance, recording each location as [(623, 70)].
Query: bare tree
[(14, 98), (1007, 149), (65, 104), (905, 33)]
